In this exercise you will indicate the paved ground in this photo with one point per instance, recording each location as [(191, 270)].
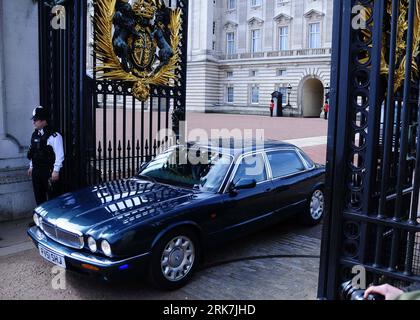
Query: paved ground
[(308, 133), (25, 275), (317, 153), (274, 128)]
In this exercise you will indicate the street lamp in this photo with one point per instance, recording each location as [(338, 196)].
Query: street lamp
[(289, 91)]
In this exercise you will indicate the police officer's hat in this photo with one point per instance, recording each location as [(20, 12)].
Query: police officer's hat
[(40, 113)]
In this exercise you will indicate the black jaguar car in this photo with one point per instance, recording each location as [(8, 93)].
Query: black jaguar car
[(188, 198)]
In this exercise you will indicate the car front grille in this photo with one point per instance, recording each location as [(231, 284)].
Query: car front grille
[(64, 237)]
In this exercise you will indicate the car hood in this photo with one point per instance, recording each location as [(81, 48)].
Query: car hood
[(112, 204)]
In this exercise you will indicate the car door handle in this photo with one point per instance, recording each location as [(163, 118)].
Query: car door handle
[(268, 190)]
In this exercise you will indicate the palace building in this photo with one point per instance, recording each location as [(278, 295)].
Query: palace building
[(241, 51)]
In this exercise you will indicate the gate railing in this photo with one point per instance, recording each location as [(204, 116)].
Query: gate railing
[(127, 161), (70, 88), (124, 132), (373, 151)]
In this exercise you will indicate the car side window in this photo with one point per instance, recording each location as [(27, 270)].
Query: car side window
[(251, 167), (284, 162)]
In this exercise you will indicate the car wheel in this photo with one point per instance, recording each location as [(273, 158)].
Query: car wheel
[(315, 209), (174, 259)]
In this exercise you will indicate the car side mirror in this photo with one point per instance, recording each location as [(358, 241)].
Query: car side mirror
[(244, 183)]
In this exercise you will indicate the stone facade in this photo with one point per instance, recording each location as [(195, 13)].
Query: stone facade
[(272, 44), (19, 94)]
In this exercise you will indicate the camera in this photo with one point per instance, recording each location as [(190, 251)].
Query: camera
[(348, 292)]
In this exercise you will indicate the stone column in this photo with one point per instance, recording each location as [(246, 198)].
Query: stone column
[(201, 13), (202, 68), (19, 78), (7, 147), (19, 92)]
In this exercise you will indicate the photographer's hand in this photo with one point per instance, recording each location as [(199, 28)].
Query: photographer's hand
[(388, 291), (55, 176)]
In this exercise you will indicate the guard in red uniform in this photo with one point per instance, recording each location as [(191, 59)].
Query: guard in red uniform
[(326, 109), (271, 108)]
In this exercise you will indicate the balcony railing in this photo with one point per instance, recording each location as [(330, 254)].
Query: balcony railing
[(281, 53)]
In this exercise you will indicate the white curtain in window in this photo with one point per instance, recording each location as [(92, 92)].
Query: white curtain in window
[(314, 35), (231, 4), (230, 43), (255, 94), (230, 94), (284, 38), (255, 40)]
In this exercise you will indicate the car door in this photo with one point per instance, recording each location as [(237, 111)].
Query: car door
[(244, 207), (290, 180)]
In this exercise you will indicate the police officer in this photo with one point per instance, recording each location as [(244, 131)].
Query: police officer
[(47, 155)]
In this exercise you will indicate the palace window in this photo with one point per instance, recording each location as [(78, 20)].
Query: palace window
[(253, 73), (230, 43), (230, 94), (255, 94), (231, 4), (281, 72), (255, 3), (255, 40), (314, 35), (284, 38), (281, 3)]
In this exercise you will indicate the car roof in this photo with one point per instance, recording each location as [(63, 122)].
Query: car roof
[(239, 146)]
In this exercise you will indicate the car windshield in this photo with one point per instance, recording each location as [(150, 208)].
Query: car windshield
[(199, 168)]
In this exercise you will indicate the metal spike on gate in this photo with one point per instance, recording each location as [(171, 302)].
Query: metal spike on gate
[(138, 154), (128, 157), (119, 159), (146, 147), (154, 148), (109, 159), (100, 161)]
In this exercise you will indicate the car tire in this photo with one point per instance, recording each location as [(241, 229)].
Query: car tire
[(174, 259), (315, 208)]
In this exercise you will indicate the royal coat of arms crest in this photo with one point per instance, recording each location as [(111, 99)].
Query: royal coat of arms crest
[(137, 43)]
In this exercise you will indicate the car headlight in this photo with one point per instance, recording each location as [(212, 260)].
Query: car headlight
[(40, 234), (106, 248), (92, 244), (36, 219)]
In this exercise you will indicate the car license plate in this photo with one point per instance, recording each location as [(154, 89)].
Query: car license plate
[(52, 256)]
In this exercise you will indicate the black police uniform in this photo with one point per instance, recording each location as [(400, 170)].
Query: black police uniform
[(43, 157)]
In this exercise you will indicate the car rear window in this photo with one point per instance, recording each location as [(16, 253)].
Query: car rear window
[(251, 167), (284, 162), (307, 159)]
